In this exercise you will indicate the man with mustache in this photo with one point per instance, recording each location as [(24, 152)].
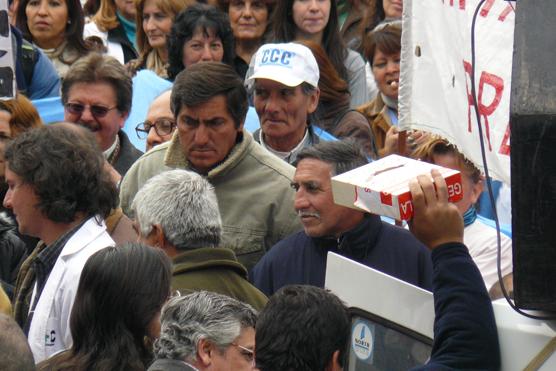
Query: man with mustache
[(363, 237), (209, 103), (96, 93)]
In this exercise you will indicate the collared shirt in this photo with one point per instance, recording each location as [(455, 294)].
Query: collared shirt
[(289, 156), (43, 265)]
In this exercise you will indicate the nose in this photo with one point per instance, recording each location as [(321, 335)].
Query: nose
[(247, 11), (313, 5), (87, 115), (207, 55), (149, 25), (8, 199), (300, 201), (43, 8), (271, 104), (201, 135), (392, 67), (153, 138)]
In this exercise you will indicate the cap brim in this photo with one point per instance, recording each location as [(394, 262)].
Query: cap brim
[(278, 76)]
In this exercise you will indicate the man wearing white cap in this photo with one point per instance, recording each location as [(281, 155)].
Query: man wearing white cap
[(286, 78)]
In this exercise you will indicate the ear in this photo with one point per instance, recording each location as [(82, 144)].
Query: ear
[(477, 189), (125, 115), (334, 364), (204, 352), (313, 101)]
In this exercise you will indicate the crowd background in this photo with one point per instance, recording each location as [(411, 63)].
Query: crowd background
[(131, 71)]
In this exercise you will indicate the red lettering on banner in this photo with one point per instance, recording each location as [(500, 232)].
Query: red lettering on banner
[(485, 10), (505, 146), (484, 110), (461, 3)]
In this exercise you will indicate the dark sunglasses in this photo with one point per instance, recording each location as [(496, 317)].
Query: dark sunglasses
[(162, 126), (96, 111)]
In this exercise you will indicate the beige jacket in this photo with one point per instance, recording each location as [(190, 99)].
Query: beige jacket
[(252, 187)]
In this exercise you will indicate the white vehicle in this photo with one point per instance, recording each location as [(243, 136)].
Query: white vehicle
[(392, 323)]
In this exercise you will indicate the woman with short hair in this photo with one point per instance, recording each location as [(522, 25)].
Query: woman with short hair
[(200, 33)]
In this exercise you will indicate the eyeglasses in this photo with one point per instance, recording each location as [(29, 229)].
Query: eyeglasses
[(162, 126), (247, 353), (96, 110)]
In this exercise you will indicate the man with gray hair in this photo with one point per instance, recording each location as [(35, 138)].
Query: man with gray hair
[(177, 211), (205, 331)]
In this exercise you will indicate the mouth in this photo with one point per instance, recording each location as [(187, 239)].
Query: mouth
[(42, 24), (393, 83)]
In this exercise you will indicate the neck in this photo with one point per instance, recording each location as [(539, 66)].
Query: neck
[(284, 144), (53, 230), (316, 37), (50, 43), (246, 48), (163, 54)]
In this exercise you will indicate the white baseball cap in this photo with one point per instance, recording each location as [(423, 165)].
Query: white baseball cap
[(290, 64)]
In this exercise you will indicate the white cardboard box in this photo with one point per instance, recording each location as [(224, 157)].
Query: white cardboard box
[(382, 187)]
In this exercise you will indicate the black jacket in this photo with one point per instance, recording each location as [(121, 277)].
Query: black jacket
[(300, 259), (12, 253)]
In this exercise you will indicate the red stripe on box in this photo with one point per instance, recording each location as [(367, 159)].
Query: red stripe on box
[(386, 198)]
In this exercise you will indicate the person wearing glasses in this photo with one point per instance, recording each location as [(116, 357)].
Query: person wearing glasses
[(96, 94), (205, 331), (160, 123)]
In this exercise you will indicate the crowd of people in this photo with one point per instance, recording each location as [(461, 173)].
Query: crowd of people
[(209, 250)]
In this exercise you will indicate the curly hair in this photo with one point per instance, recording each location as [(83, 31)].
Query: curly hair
[(194, 18), (65, 169)]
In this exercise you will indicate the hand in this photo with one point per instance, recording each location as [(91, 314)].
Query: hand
[(435, 220), (391, 142)]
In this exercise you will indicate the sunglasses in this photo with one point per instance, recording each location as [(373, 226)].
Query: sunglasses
[(96, 111), (162, 126)]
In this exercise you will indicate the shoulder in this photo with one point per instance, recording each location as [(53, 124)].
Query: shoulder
[(354, 61), (400, 239)]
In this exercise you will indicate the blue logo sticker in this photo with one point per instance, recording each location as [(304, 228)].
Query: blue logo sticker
[(362, 340)]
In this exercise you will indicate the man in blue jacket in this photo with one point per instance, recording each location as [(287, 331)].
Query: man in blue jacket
[(301, 257), (307, 328)]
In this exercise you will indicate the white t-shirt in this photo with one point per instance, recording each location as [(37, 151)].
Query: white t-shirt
[(480, 239)]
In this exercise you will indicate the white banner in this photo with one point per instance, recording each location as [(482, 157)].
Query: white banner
[(7, 71), (435, 81)]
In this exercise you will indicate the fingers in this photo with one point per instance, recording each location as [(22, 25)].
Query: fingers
[(441, 187), (427, 186)]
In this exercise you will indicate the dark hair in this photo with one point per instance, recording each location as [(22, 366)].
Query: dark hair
[(74, 28), (203, 81), (343, 155), (120, 291), (332, 87), (283, 30), (387, 38), (196, 18), (374, 14), (15, 354), (66, 170), (95, 68), (300, 328)]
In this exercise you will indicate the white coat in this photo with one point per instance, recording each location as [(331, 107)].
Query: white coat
[(49, 332)]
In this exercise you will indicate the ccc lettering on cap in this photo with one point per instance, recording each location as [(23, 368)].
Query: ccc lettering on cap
[(279, 57)]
